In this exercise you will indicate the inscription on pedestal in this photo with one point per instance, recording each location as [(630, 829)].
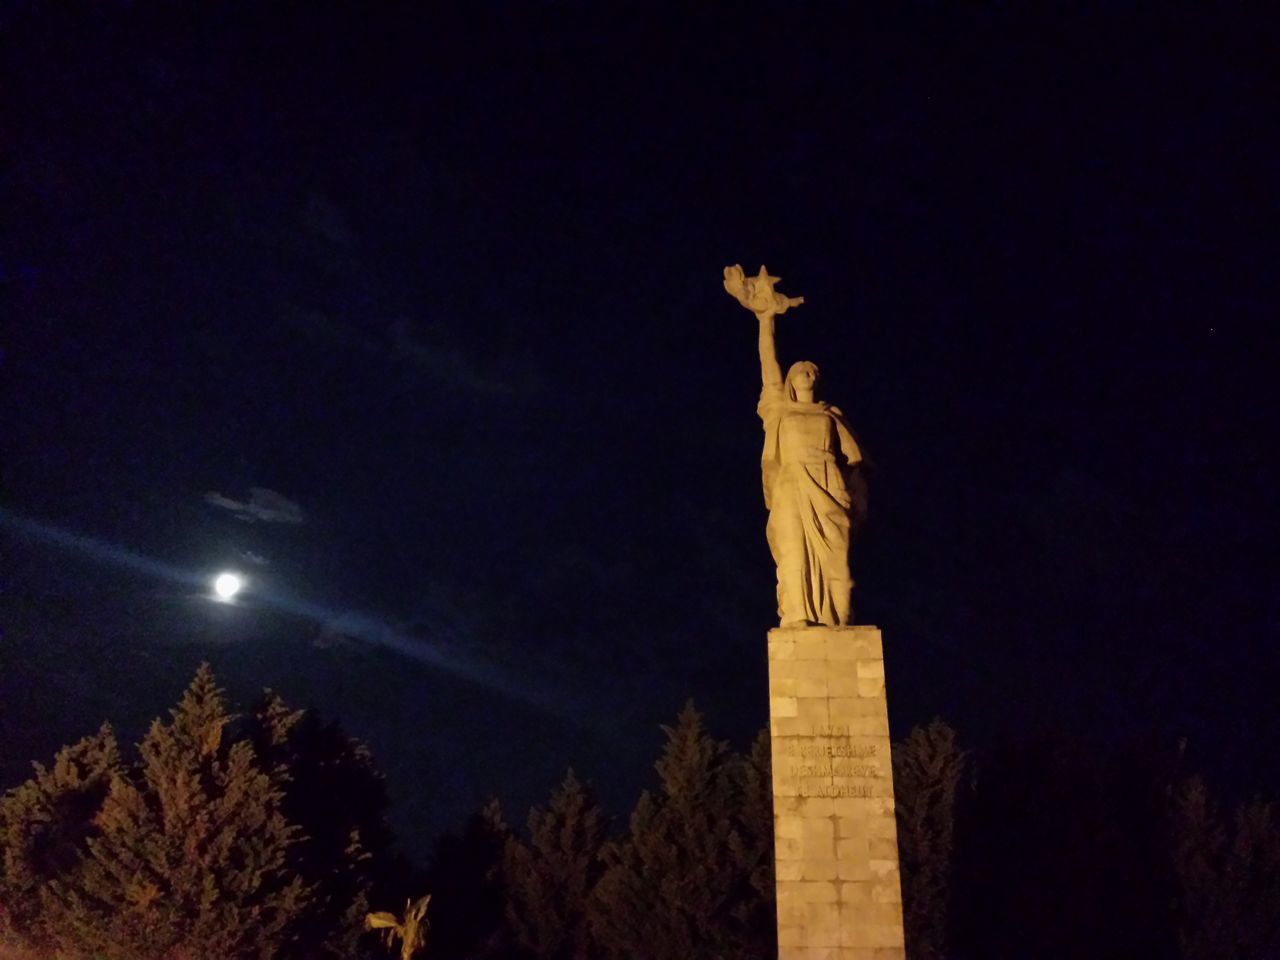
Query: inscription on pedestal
[(841, 766), (839, 893)]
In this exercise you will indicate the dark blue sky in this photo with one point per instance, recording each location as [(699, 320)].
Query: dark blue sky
[(450, 283)]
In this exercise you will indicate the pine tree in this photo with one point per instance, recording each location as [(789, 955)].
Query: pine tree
[(470, 897), (337, 799), (551, 879), (191, 854), (1227, 877), (44, 824), (927, 767), (677, 886), (757, 908)]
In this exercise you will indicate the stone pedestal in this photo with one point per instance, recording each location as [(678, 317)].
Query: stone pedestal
[(839, 890)]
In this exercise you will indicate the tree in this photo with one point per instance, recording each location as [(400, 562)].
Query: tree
[(467, 872), (44, 824), (683, 881), (211, 845), (335, 796), (1227, 877), (191, 853), (927, 767), (757, 910), (551, 879)]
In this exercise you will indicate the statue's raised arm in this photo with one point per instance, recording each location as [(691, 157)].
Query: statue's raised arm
[(758, 295)]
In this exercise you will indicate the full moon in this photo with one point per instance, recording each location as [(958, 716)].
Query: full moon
[(227, 585)]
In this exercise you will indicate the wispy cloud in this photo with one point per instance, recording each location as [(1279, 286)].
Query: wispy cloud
[(263, 504), (422, 348), (413, 343)]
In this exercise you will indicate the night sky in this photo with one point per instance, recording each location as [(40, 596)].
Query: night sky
[(444, 289)]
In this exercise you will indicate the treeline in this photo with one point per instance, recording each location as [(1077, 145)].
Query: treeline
[(225, 838), (264, 836)]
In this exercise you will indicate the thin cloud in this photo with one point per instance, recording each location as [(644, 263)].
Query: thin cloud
[(263, 504), (418, 347), (411, 343)]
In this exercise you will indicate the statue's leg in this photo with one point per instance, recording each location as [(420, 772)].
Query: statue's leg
[(791, 612), (842, 601), (835, 558), (786, 543)]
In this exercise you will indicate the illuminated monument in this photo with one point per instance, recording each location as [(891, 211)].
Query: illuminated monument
[(836, 841)]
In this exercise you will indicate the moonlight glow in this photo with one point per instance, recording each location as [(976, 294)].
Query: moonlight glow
[(227, 585)]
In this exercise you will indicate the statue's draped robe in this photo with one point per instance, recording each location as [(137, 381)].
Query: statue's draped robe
[(808, 449)]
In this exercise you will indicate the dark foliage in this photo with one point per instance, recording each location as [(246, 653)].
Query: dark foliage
[(1227, 877), (469, 897), (551, 879), (337, 799), (211, 846), (45, 824), (685, 880), (271, 843), (190, 856), (927, 767)]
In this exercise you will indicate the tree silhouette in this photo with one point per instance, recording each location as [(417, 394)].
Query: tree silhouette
[(550, 880), (466, 871), (680, 884), (756, 911), (212, 846), (1227, 876), (927, 767), (44, 824), (337, 799), (191, 854)]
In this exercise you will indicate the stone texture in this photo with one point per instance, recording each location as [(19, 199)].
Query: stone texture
[(836, 840)]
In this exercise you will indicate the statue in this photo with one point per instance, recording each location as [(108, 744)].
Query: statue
[(808, 465), (411, 931)]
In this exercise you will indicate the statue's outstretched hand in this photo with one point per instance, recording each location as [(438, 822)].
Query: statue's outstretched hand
[(733, 282), (757, 293)]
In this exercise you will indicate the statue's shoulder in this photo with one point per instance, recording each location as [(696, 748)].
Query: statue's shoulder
[(770, 398)]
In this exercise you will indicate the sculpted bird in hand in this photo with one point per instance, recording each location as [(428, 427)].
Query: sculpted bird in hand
[(757, 293)]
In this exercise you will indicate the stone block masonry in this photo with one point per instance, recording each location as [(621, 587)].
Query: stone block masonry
[(836, 839)]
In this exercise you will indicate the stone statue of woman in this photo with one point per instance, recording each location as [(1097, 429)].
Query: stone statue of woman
[(808, 464)]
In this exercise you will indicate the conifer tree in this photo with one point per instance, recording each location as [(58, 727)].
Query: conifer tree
[(467, 872), (927, 767), (44, 824), (190, 858), (551, 879), (676, 886), (337, 799), (757, 909), (1227, 877)]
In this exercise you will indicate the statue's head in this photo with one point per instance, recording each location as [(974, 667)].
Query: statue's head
[(802, 379)]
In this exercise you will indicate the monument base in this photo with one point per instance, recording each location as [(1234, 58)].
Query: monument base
[(835, 836)]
